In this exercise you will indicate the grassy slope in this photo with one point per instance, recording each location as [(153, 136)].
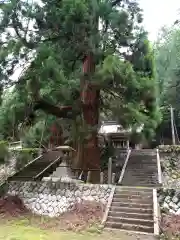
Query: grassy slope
[(20, 232)]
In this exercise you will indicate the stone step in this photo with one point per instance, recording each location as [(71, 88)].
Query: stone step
[(139, 164), (23, 178), (140, 151), (139, 161), (136, 175), (145, 154), (135, 180), (132, 200), (133, 191), (141, 177), (144, 174), (139, 183), (150, 185), (131, 209), (144, 159), (143, 189), (130, 177), (130, 227), (140, 168), (142, 156), (140, 174), (143, 170), (131, 215), (132, 196), (132, 205), (143, 222)]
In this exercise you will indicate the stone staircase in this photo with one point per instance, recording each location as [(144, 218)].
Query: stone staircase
[(41, 167), (141, 169), (131, 210)]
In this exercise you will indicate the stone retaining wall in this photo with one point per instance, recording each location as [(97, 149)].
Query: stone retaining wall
[(170, 163), (169, 200), (54, 198)]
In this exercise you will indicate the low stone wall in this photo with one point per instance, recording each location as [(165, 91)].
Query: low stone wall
[(170, 163), (54, 198), (169, 200)]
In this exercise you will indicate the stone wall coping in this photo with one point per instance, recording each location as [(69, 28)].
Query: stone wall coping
[(64, 183)]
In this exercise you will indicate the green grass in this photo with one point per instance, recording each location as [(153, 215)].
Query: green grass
[(20, 232), (21, 229)]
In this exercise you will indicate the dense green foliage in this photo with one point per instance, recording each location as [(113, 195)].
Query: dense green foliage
[(50, 40), (25, 155), (167, 59)]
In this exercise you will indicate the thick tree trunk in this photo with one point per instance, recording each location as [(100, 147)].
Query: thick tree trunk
[(89, 155), (90, 102)]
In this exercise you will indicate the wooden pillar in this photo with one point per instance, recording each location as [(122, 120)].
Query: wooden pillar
[(76, 174), (127, 144), (89, 177), (113, 178), (101, 177)]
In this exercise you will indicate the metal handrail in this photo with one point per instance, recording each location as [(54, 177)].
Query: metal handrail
[(155, 212), (52, 163), (124, 167), (108, 205)]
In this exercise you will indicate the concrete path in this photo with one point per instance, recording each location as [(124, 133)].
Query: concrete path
[(122, 235)]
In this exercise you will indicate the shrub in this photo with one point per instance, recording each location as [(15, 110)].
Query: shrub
[(106, 153), (170, 226), (25, 155)]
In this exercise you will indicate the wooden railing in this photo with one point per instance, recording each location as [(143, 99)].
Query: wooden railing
[(15, 145)]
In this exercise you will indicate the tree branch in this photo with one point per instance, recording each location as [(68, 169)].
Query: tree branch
[(116, 2), (60, 112), (15, 23)]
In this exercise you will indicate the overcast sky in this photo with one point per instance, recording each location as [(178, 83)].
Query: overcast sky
[(158, 13)]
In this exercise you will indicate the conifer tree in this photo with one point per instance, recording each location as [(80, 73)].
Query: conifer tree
[(91, 56)]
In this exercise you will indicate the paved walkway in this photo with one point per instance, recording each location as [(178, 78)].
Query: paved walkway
[(122, 235)]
